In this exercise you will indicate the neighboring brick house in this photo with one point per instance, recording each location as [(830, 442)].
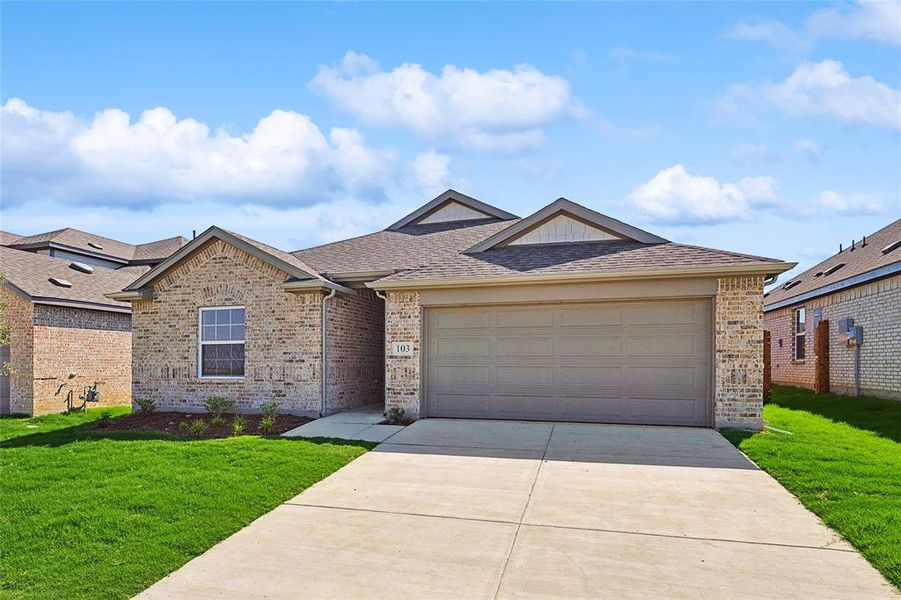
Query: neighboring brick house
[(861, 282), (65, 334), (462, 310)]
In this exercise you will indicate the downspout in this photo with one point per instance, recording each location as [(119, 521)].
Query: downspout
[(324, 369)]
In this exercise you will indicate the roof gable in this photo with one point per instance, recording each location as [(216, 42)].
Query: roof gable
[(283, 261), (564, 221), (449, 207)]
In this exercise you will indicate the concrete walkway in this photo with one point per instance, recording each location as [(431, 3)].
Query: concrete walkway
[(477, 509), (359, 424)]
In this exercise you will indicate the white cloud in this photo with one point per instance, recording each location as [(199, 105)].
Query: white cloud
[(745, 154), (776, 34), (821, 90), (676, 197), (113, 159), (499, 109), (430, 172), (811, 149), (623, 53), (878, 20), (851, 204)]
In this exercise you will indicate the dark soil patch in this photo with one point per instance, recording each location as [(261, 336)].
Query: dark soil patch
[(169, 423)]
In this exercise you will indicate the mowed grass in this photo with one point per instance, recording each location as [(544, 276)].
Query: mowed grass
[(86, 513), (843, 461)]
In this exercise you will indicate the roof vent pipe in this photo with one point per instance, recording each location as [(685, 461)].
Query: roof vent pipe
[(839, 247), (852, 245), (863, 242)]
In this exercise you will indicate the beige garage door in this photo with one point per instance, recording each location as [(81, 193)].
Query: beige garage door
[(623, 362)]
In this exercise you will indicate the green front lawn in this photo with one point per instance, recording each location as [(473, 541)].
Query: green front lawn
[(842, 460), (88, 513)]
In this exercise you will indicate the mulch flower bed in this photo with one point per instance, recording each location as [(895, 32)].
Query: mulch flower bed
[(168, 422)]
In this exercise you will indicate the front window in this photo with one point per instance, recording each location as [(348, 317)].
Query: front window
[(222, 342), (800, 333)]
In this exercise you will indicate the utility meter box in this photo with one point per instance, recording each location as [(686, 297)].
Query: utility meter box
[(855, 336), (844, 325)]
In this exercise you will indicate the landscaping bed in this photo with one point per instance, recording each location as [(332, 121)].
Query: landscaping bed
[(841, 456), (179, 424)]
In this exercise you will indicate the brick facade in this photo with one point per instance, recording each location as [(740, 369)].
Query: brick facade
[(876, 306), (403, 323), (355, 341), (50, 343), (738, 352), (283, 335)]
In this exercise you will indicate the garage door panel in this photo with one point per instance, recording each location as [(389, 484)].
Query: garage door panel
[(527, 375), (640, 362), (524, 346), (589, 346)]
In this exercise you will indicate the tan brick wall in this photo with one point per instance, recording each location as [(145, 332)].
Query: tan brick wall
[(19, 317), (94, 345), (356, 360), (283, 344), (403, 323), (48, 343), (738, 352), (738, 355), (876, 306)]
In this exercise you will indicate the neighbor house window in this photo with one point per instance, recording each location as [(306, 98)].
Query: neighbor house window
[(800, 332), (222, 342)]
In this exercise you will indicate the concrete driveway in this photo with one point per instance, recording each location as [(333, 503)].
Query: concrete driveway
[(479, 509)]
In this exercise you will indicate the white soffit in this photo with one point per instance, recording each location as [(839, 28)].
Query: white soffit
[(560, 229)]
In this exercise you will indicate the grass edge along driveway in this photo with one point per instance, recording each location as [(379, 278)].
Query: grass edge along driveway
[(843, 462), (89, 513)]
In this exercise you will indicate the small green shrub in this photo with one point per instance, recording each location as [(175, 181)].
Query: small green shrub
[(267, 424), (146, 406), (397, 416), (104, 421), (238, 425), (198, 426), (218, 421), (217, 405), (269, 409), (183, 426)]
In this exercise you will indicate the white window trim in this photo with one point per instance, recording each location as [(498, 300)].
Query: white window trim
[(201, 344), (799, 333)]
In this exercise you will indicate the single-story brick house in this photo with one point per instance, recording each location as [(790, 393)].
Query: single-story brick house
[(65, 334), (461, 309), (861, 282)]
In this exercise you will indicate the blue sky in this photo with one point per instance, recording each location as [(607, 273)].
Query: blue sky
[(770, 128)]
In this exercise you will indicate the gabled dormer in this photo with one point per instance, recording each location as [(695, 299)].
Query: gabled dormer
[(563, 222), (451, 207)]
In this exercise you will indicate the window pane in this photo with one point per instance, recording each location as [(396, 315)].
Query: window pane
[(209, 333), (802, 316), (222, 360), (222, 332), (208, 317), (222, 316), (237, 333), (800, 350), (237, 316)]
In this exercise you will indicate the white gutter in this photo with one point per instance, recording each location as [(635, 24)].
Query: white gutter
[(324, 369)]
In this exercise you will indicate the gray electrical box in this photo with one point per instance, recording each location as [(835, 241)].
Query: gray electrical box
[(844, 325), (855, 335)]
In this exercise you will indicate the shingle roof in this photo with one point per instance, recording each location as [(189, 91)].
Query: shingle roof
[(862, 259), (7, 238), (593, 257), (406, 248), (123, 251), (30, 273), (287, 257)]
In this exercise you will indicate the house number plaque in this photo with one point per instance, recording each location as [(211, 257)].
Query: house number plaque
[(403, 348)]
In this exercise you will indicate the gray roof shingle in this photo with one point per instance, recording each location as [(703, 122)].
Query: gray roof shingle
[(862, 259), (30, 273), (82, 240)]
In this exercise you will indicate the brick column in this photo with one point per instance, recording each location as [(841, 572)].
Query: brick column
[(403, 323), (738, 352)]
